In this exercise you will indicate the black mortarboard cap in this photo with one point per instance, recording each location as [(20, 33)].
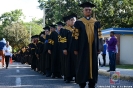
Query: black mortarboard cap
[(54, 26), (43, 32), (46, 28), (32, 37), (59, 23), (72, 15), (87, 4), (36, 36), (65, 18)]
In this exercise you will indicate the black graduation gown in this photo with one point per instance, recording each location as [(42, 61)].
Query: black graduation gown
[(18, 57), (22, 56), (40, 53), (14, 57), (82, 46), (60, 52), (53, 46), (33, 55), (70, 59), (27, 56), (46, 55), (30, 54)]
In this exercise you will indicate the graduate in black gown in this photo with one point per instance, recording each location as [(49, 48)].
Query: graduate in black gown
[(30, 53), (53, 50), (33, 48), (68, 51), (22, 54), (60, 52), (46, 55), (27, 55), (87, 36), (40, 47)]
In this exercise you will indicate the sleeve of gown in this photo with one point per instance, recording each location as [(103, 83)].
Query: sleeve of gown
[(41, 47), (50, 42), (63, 39), (46, 43), (75, 35), (99, 39)]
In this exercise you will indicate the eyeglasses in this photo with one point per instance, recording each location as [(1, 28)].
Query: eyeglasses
[(88, 9)]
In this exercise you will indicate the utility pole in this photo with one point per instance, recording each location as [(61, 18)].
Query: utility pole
[(30, 32), (30, 28), (44, 14)]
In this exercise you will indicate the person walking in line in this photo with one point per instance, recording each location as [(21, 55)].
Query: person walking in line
[(7, 51)]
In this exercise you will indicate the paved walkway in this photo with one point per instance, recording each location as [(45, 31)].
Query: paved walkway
[(125, 74), (21, 76)]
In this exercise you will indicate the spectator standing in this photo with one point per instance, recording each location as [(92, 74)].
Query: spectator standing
[(7, 51), (112, 51)]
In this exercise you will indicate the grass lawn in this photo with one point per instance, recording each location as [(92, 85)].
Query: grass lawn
[(125, 66)]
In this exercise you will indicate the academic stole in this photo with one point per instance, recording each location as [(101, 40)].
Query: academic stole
[(89, 26)]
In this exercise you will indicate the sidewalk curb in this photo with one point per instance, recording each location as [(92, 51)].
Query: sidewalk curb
[(122, 77)]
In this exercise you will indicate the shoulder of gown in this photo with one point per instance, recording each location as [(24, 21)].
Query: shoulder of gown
[(78, 24)]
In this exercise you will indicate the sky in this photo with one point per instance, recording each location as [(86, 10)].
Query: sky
[(29, 8)]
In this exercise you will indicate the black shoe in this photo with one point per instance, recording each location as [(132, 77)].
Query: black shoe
[(60, 77), (6, 67), (39, 71), (82, 86), (72, 80), (108, 70), (67, 81), (53, 76), (91, 85), (43, 74), (101, 65), (64, 79), (48, 75)]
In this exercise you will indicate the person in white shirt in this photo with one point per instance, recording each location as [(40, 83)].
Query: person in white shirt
[(7, 51)]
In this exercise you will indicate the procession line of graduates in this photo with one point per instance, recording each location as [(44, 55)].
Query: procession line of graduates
[(70, 51)]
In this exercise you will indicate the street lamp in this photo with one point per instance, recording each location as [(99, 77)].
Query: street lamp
[(44, 12), (30, 29)]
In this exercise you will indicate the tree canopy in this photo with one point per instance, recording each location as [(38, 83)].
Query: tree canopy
[(17, 32), (111, 13)]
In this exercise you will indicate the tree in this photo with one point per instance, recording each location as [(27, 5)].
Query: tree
[(16, 31), (35, 25), (111, 13), (8, 18), (17, 35)]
